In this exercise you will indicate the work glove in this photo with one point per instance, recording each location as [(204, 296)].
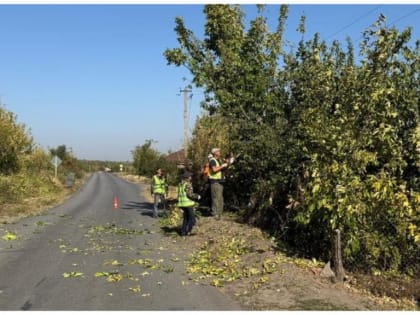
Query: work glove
[(224, 165), (232, 159)]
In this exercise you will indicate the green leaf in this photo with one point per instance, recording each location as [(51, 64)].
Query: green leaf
[(9, 236), (136, 289), (101, 274), (114, 277), (72, 274), (315, 188)]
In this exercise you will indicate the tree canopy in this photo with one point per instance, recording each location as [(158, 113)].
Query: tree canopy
[(329, 139)]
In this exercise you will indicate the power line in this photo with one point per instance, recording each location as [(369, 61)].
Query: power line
[(404, 16), (399, 19), (355, 21)]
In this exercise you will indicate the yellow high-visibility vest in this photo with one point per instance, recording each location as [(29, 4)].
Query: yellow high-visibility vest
[(183, 200), (212, 175), (158, 185)]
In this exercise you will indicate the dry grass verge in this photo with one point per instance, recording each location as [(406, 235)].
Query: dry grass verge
[(11, 212)]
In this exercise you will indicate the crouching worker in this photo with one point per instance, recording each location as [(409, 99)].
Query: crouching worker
[(186, 204)]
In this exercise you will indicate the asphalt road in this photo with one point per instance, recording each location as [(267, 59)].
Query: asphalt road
[(86, 255)]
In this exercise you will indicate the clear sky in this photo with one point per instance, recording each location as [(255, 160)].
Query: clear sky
[(93, 77)]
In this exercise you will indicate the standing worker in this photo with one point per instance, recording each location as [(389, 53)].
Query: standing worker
[(185, 194), (158, 189), (216, 182)]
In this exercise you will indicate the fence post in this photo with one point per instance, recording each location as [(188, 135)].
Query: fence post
[(337, 259)]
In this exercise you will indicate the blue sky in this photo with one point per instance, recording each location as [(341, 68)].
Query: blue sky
[(93, 77)]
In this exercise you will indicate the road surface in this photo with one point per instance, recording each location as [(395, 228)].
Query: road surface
[(86, 255)]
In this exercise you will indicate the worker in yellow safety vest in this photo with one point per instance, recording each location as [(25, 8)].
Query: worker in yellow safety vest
[(216, 178), (158, 190), (186, 204)]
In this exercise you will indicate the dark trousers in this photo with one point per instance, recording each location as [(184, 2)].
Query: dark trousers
[(158, 198), (188, 221)]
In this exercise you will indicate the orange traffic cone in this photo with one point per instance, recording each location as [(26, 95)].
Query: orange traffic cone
[(115, 203)]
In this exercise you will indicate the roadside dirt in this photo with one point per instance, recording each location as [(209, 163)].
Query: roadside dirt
[(259, 275), (291, 284)]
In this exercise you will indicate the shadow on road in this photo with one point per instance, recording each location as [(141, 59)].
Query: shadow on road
[(171, 230), (144, 208)]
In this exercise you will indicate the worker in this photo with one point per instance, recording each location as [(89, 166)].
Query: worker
[(158, 190), (216, 179), (186, 203)]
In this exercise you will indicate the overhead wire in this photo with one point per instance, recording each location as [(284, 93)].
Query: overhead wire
[(355, 21), (400, 18), (404, 16)]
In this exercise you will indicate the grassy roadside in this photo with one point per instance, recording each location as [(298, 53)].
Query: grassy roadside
[(39, 202)]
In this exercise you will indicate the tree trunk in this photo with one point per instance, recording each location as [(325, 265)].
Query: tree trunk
[(337, 259)]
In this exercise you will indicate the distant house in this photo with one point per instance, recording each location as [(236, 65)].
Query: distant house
[(177, 157)]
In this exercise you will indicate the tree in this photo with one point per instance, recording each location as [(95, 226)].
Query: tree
[(147, 160), (237, 70), (15, 142), (326, 143)]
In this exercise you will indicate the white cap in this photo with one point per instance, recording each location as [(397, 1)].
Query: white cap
[(214, 150)]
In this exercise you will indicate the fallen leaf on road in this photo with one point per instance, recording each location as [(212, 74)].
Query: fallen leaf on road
[(101, 274), (135, 289), (114, 278), (113, 263), (9, 236), (72, 274)]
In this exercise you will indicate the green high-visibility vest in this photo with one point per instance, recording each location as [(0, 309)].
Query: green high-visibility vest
[(158, 185), (213, 175), (183, 200)]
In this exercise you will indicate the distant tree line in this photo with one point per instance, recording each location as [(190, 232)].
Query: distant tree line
[(146, 160)]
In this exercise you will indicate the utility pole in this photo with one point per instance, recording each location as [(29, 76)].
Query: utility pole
[(185, 91)]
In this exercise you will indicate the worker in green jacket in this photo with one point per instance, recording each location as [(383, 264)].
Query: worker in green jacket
[(158, 190), (186, 203)]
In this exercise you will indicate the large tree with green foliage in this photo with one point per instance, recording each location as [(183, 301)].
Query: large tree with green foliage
[(327, 142)]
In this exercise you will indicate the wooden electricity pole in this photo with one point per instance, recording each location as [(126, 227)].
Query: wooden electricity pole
[(185, 91)]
